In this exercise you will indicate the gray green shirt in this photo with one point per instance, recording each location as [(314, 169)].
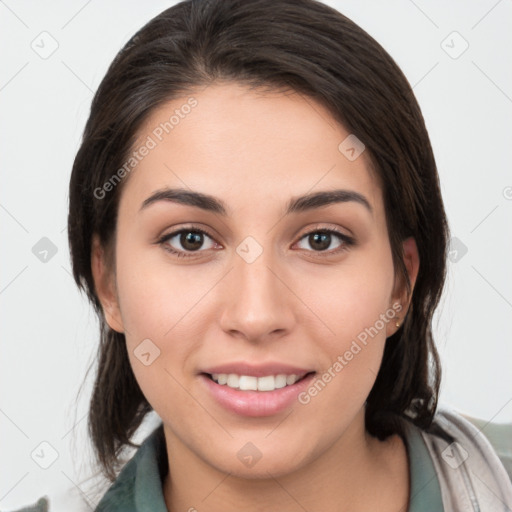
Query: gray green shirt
[(445, 476), (139, 485)]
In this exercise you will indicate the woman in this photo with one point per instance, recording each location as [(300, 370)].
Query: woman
[(255, 214)]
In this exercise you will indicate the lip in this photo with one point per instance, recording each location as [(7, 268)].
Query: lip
[(255, 403), (243, 368)]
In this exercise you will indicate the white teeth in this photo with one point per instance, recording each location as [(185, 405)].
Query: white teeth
[(283, 380), (290, 379), (266, 383), (233, 380), (248, 382), (222, 378)]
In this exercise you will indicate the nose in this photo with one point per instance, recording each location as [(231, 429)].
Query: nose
[(259, 303)]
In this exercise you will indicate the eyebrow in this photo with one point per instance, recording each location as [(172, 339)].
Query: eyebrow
[(295, 205)]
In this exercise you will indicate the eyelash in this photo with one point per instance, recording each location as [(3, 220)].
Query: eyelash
[(347, 241)]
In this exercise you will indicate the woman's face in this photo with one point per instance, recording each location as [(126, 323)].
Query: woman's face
[(266, 285)]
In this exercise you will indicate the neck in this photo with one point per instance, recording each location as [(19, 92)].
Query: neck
[(357, 473)]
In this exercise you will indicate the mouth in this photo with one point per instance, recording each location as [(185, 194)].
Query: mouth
[(265, 383), (251, 396)]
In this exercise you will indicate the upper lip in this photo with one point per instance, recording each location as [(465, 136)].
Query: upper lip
[(262, 370)]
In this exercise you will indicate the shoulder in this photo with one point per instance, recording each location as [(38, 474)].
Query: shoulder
[(494, 438), (139, 483), (468, 465), (500, 437), (40, 506), (120, 495)]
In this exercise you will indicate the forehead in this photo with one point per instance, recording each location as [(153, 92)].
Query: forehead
[(251, 147)]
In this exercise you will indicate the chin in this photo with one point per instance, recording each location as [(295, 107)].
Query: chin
[(253, 464)]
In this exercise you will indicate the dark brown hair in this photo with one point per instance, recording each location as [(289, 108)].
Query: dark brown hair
[(299, 45)]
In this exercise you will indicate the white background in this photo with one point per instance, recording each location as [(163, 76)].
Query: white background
[(48, 331)]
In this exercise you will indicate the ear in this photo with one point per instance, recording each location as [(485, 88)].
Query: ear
[(104, 283), (400, 300)]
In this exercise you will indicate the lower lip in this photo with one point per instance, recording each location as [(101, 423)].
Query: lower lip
[(256, 403)]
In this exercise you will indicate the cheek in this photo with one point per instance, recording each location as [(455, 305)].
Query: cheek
[(354, 307), (161, 312), (352, 297), (155, 296), (165, 304), (354, 302)]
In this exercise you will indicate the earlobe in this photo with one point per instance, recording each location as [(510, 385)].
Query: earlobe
[(104, 283), (400, 295)]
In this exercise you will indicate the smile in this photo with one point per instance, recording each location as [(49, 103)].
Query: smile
[(251, 383), (238, 394)]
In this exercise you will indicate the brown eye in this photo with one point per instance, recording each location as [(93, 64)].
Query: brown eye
[(191, 240), (187, 241), (321, 240)]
